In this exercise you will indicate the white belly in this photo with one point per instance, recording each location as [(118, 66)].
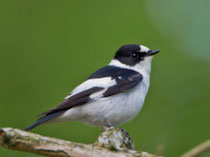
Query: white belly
[(117, 109)]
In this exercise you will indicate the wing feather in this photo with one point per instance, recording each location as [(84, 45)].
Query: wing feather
[(105, 82), (112, 79), (75, 100)]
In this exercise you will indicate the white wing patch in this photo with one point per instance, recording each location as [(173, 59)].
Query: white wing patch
[(105, 82), (97, 94)]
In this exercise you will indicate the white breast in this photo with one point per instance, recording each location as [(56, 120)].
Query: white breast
[(125, 106)]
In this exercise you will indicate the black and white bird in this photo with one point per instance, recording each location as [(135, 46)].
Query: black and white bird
[(112, 95)]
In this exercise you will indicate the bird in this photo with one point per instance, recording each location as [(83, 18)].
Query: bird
[(111, 96)]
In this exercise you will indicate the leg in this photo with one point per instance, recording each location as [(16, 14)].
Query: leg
[(123, 130), (108, 123), (119, 138)]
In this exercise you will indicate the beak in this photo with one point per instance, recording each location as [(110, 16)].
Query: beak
[(152, 52)]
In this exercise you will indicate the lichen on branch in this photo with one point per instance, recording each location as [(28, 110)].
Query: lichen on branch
[(111, 143)]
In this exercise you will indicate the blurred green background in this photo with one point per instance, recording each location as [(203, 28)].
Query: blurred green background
[(49, 47)]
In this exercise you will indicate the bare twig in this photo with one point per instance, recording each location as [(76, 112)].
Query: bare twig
[(198, 150), (112, 143)]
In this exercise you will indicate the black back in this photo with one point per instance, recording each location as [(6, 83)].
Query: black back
[(125, 78), (113, 72)]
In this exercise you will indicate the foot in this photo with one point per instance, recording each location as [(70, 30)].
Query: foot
[(116, 138), (127, 135), (123, 130)]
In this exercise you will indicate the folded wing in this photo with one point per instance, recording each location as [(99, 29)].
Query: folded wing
[(105, 82)]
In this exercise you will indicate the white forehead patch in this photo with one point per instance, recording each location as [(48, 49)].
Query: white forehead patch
[(143, 48)]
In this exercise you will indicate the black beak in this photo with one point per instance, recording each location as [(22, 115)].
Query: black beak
[(152, 52)]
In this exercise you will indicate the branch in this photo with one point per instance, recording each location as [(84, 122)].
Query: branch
[(113, 143), (198, 150)]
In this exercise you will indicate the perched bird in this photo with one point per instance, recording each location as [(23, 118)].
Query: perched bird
[(112, 95)]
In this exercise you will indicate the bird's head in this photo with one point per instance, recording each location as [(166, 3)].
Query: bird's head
[(133, 55)]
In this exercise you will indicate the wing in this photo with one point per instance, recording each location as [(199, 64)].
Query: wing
[(110, 80), (75, 100), (125, 79), (105, 82)]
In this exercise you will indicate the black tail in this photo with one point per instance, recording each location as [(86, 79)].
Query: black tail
[(43, 120)]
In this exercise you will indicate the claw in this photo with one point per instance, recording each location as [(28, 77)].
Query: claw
[(127, 134)]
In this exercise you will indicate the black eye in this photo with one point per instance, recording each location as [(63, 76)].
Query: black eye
[(143, 54), (135, 55)]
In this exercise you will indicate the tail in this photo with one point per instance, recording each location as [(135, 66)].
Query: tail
[(43, 120)]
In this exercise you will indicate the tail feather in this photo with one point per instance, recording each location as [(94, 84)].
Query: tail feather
[(43, 120)]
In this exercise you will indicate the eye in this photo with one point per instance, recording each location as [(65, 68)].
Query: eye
[(135, 55), (143, 54)]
